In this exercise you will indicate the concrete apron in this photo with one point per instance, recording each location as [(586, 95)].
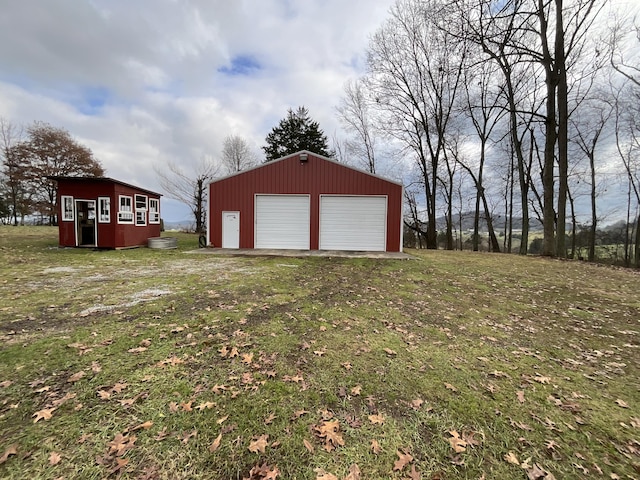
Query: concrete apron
[(272, 252)]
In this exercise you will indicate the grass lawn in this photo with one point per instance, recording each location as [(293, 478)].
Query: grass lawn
[(158, 364)]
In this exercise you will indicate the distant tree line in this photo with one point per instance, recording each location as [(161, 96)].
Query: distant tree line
[(517, 108), (29, 155)]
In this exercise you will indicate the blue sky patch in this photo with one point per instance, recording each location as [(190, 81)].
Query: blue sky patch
[(241, 65), (92, 100)]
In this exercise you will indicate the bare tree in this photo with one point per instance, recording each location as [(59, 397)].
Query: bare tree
[(189, 189), (589, 126), (237, 154), (355, 114), (415, 73)]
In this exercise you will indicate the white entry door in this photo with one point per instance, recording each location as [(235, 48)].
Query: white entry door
[(230, 229)]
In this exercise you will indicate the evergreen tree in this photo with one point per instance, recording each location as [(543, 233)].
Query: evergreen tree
[(294, 133)]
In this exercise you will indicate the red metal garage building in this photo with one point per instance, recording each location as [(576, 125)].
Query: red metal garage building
[(308, 202), (105, 213)]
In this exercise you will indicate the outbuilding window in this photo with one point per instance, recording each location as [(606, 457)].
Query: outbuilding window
[(104, 210), (67, 208), (125, 209), (154, 210), (141, 210)]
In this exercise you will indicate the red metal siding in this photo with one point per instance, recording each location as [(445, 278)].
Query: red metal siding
[(112, 234), (315, 177)]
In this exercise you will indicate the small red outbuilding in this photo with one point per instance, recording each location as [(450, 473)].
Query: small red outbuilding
[(105, 213), (305, 201)]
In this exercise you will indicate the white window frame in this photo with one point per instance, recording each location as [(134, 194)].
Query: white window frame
[(141, 211), (125, 212), (67, 209), (154, 210), (104, 204)]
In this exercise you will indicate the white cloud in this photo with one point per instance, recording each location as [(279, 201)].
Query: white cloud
[(144, 83)]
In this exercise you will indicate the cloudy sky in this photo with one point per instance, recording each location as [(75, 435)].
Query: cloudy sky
[(148, 82)]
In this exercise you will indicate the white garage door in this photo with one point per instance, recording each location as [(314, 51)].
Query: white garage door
[(282, 221), (353, 223)]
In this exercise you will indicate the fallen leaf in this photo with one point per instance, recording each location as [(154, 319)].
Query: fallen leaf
[(11, 450), (417, 403), (298, 413), (622, 403), (376, 419), (205, 405), (308, 445), (76, 376), (270, 419), (221, 420), (457, 443), (329, 431), (247, 358), (121, 443), (414, 474), (137, 350), (186, 406), (537, 473), (511, 458), (259, 444), (146, 426), (263, 472), (355, 391), (6, 383), (54, 458), (354, 473), (375, 447), (390, 352), (448, 386), (216, 444), (403, 460), (44, 414), (520, 395), (187, 436), (104, 395), (120, 464), (118, 387)]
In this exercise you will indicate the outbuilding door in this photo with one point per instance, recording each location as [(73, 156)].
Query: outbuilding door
[(356, 223), (86, 227), (282, 221), (230, 229)]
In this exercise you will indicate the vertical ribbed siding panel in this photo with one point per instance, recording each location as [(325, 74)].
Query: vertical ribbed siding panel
[(288, 176)]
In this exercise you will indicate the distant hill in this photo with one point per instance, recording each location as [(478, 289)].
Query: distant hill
[(180, 225), (498, 222)]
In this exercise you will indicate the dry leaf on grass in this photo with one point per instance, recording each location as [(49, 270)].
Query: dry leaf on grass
[(308, 445), (329, 431), (11, 450), (403, 460), (511, 458), (354, 473), (216, 444), (263, 472), (54, 458), (458, 444), (622, 403), (375, 447), (259, 444), (376, 419), (44, 414), (520, 395), (76, 376)]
